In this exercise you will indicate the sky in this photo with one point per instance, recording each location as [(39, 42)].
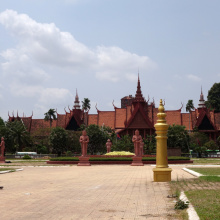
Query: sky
[(50, 48)]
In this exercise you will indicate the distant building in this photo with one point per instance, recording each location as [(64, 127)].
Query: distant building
[(134, 113)]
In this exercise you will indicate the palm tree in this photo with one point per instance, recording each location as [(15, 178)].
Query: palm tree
[(86, 106), (50, 116), (189, 108), (18, 133)]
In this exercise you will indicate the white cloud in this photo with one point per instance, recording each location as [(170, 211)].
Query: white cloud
[(43, 49), (116, 64), (43, 52), (194, 78), (52, 96)]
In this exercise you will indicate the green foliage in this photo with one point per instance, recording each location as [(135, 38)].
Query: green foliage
[(86, 104), (115, 158), (150, 144), (26, 157), (58, 140), (123, 144), (2, 123), (41, 149), (73, 143), (213, 98), (64, 159), (178, 137), (211, 145), (16, 136), (98, 137), (110, 159), (189, 105), (69, 154), (180, 204), (50, 116), (210, 178), (197, 142)]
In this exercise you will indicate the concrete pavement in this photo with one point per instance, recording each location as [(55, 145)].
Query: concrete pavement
[(96, 192)]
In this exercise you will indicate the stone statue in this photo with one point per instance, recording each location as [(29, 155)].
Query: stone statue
[(84, 140), (137, 139), (2, 147), (108, 145)]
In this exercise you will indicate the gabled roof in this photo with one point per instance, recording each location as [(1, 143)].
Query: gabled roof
[(205, 121), (139, 116), (76, 114)]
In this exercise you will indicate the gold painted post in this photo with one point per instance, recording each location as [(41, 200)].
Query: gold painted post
[(162, 173)]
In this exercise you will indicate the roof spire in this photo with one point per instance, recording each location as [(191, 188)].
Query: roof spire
[(138, 96), (201, 100), (76, 102)]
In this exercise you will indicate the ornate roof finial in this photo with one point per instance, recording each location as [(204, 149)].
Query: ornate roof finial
[(201, 100), (96, 107), (138, 96), (76, 103)]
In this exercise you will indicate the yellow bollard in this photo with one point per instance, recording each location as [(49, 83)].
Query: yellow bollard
[(162, 173)]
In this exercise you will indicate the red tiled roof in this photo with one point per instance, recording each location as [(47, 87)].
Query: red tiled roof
[(41, 123), (139, 118), (173, 117), (93, 119), (107, 118), (201, 117), (27, 122), (120, 117), (185, 121), (129, 108), (61, 120)]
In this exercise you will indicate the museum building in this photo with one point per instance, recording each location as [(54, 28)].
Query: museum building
[(134, 113)]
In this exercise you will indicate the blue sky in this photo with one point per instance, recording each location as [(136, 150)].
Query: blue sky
[(50, 48)]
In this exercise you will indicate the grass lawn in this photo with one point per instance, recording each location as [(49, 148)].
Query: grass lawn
[(8, 169), (203, 161), (203, 192), (206, 203), (207, 171)]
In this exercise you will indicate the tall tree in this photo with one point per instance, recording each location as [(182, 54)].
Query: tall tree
[(189, 108), (50, 116), (86, 106), (198, 141), (97, 138), (58, 140), (214, 97), (178, 137), (16, 133), (2, 123)]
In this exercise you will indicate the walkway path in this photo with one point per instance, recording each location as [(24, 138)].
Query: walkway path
[(96, 192)]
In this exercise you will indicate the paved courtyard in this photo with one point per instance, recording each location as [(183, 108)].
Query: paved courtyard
[(96, 192)]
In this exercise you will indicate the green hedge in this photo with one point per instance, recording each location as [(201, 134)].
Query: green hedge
[(64, 159), (115, 158), (110, 159)]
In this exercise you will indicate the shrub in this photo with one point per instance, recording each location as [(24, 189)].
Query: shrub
[(180, 204), (69, 154), (64, 159), (26, 157), (110, 159)]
